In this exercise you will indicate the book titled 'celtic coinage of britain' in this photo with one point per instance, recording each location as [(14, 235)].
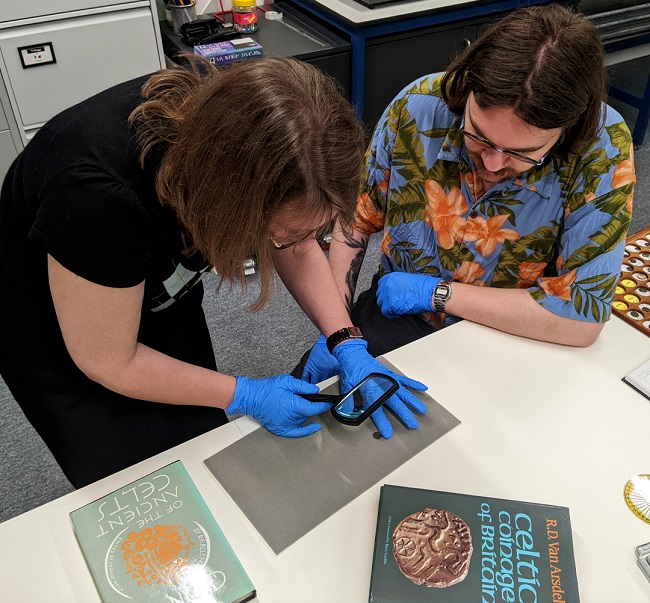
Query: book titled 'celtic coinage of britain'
[(441, 547)]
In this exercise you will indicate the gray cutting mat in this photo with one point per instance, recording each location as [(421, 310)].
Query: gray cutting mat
[(287, 486)]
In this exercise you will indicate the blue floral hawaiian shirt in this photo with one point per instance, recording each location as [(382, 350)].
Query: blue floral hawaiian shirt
[(558, 229)]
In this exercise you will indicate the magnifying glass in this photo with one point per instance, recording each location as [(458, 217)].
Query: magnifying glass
[(361, 401)]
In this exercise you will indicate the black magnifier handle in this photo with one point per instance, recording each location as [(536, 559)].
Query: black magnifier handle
[(320, 398)]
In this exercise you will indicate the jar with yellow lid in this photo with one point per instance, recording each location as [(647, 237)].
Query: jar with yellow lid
[(244, 15)]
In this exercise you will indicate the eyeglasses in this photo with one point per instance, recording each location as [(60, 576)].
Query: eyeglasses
[(513, 154), (277, 245), (318, 235)]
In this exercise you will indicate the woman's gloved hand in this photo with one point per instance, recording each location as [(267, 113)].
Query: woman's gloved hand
[(275, 403), (320, 364), (405, 293), (356, 364)]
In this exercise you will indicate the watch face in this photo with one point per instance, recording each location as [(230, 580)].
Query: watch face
[(442, 291), (441, 294)]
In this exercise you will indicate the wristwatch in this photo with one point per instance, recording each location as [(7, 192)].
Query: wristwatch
[(441, 295), (343, 335)]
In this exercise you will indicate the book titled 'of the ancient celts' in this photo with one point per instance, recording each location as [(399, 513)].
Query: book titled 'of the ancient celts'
[(156, 540), (442, 547)]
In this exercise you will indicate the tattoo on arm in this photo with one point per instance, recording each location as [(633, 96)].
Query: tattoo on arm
[(355, 267)]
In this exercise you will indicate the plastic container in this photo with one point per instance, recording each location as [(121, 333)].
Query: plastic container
[(244, 15)]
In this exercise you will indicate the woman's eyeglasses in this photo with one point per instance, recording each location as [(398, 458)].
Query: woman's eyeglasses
[(277, 245), (318, 235), (513, 154)]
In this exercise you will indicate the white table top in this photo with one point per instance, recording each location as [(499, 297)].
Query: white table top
[(540, 422), (357, 13)]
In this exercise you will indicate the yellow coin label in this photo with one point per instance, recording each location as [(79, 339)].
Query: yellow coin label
[(633, 299), (626, 282), (619, 305)]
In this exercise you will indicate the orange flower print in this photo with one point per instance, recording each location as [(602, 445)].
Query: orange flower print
[(386, 241), (383, 185), (469, 178), (560, 286), (623, 174), (488, 233), (469, 272), (368, 218), (531, 271), (443, 213), (519, 182)]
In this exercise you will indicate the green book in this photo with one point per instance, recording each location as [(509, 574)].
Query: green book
[(156, 540), (441, 547)]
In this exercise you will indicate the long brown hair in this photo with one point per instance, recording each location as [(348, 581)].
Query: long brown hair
[(545, 62), (241, 141)]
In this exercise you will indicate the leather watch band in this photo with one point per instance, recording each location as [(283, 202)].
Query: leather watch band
[(342, 335)]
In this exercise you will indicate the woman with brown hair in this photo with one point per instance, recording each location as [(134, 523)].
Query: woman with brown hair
[(109, 219)]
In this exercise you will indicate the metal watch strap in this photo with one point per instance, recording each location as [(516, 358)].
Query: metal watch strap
[(343, 335), (441, 295)]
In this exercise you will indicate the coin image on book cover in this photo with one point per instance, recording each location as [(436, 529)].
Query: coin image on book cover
[(637, 496), (155, 539), (433, 548)]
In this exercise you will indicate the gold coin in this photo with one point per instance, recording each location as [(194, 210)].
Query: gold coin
[(633, 299), (619, 290), (637, 496), (619, 305), (626, 282)]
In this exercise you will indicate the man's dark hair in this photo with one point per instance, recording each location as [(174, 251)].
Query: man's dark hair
[(545, 62)]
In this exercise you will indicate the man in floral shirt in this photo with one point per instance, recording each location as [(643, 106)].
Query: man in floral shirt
[(504, 191)]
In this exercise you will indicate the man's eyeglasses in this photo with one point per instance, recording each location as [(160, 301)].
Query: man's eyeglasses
[(319, 235), (513, 154)]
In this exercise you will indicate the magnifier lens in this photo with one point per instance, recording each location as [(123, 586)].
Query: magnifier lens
[(365, 398)]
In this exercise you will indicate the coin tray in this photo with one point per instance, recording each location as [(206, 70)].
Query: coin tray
[(632, 296)]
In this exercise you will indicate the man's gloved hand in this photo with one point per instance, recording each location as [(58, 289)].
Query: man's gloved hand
[(356, 364), (405, 293), (320, 364), (275, 403)]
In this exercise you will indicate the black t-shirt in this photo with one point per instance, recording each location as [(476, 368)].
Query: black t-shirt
[(77, 192)]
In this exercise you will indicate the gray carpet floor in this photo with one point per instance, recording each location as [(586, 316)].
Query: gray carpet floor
[(256, 345)]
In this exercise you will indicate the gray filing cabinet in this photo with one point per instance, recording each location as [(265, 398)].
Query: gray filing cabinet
[(55, 54), (8, 149)]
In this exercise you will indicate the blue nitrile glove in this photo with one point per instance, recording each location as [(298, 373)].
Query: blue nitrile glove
[(320, 364), (275, 403), (405, 293), (356, 364)]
